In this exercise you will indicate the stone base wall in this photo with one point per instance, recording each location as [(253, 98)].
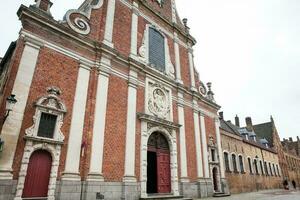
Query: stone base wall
[(7, 189), (239, 183), (88, 190)]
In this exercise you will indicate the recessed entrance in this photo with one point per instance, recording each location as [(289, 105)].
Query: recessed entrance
[(38, 175), (158, 165), (215, 179)]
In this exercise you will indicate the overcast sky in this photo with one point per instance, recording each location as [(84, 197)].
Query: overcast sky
[(249, 50)]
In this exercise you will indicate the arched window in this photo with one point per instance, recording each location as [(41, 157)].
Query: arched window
[(277, 170), (241, 164), (261, 167), (266, 168), (234, 163), (156, 49), (255, 166), (226, 160), (250, 165), (274, 169), (270, 169)]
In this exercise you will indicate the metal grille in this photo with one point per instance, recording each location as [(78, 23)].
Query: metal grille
[(156, 49), (47, 125)]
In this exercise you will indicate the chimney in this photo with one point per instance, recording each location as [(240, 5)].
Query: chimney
[(298, 138), (221, 114), (249, 123), (237, 121), (44, 5), (290, 139)]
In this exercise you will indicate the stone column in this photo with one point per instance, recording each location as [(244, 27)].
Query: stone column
[(198, 142), (76, 131), (129, 175), (95, 172), (177, 59), (134, 29), (12, 126), (109, 23), (218, 140), (204, 145), (183, 161), (191, 64)]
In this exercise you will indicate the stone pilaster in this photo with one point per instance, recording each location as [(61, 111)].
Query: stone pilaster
[(134, 30), (12, 126), (109, 23), (191, 65), (220, 153), (95, 173), (204, 146), (177, 59), (77, 123), (129, 175), (198, 141), (181, 121)]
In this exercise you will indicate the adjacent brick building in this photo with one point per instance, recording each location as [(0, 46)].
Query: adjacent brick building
[(251, 163), (109, 106)]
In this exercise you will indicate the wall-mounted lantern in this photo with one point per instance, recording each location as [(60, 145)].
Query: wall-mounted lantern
[(10, 102)]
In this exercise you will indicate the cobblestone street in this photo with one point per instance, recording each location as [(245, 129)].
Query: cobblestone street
[(264, 195)]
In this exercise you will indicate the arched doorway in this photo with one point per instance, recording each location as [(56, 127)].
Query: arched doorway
[(158, 165), (215, 179), (38, 175)]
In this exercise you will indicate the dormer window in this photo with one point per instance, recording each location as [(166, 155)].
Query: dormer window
[(47, 125), (157, 50)]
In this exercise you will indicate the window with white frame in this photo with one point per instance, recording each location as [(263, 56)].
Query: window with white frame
[(226, 160), (157, 50), (234, 164), (48, 117), (241, 164)]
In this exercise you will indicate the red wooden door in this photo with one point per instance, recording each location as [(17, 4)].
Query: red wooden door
[(38, 175), (163, 172)]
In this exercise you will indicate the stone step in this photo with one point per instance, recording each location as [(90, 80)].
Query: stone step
[(167, 196), (221, 194)]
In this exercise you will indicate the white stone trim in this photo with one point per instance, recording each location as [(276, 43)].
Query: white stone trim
[(177, 59), (12, 126), (77, 123), (129, 175), (109, 23), (30, 148), (134, 29), (144, 51), (198, 144), (183, 156), (219, 146), (171, 137), (96, 162), (204, 146), (174, 12), (191, 65)]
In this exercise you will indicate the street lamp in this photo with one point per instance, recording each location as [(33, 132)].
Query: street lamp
[(10, 102)]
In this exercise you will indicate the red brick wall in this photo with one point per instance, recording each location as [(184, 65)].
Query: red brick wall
[(115, 130), (49, 65)]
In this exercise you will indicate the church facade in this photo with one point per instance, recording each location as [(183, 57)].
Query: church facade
[(109, 106)]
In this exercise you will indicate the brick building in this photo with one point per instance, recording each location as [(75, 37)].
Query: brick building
[(251, 163), (109, 106)]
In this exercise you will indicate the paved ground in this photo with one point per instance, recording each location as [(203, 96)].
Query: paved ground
[(264, 195)]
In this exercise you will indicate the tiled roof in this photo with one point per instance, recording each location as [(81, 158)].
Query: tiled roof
[(229, 127), (264, 130)]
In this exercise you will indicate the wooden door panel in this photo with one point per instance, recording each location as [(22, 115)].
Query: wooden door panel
[(163, 173), (38, 175)]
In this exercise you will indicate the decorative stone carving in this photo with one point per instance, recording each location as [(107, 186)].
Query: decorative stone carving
[(158, 102), (143, 51), (51, 104), (78, 19), (202, 89), (160, 2)]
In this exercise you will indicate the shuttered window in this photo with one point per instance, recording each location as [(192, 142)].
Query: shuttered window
[(47, 125), (156, 49)]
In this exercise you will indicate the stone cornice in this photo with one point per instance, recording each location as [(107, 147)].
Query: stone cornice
[(156, 120)]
